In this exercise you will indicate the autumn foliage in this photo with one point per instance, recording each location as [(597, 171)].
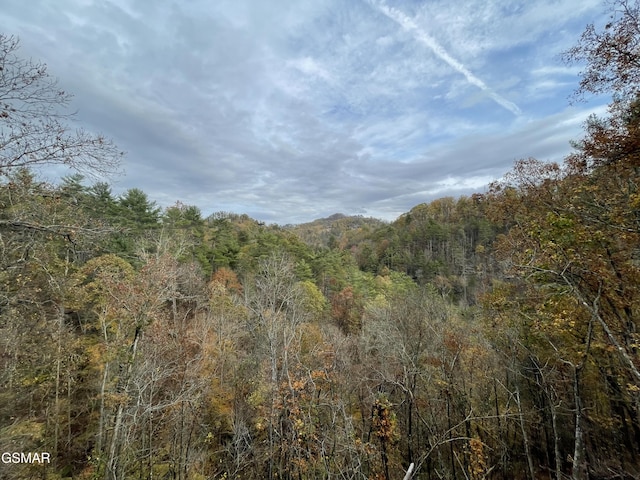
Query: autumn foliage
[(486, 337)]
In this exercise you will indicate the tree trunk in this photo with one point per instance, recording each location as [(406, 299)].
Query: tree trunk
[(556, 438), (525, 438), (580, 471), (114, 467)]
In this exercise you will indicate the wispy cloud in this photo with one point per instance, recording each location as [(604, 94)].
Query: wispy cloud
[(290, 111), (410, 26)]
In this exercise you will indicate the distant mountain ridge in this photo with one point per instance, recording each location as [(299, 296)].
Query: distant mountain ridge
[(335, 229)]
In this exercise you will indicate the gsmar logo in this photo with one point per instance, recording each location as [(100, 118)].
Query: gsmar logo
[(22, 457)]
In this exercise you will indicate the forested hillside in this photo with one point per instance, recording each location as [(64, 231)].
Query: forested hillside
[(492, 336)]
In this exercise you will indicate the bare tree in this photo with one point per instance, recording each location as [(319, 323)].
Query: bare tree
[(34, 116)]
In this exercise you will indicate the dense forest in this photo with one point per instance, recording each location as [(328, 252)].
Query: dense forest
[(485, 337)]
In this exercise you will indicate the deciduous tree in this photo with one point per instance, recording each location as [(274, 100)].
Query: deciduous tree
[(34, 118)]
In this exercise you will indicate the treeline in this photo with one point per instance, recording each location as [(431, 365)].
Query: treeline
[(485, 337)]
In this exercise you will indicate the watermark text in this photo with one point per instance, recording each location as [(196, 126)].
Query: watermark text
[(25, 457)]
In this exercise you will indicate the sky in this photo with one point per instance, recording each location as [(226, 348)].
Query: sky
[(292, 110)]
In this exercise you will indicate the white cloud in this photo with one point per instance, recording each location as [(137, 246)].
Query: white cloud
[(309, 66)]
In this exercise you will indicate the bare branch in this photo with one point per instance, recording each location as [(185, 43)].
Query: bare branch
[(33, 116)]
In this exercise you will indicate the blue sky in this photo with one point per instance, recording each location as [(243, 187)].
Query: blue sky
[(294, 110)]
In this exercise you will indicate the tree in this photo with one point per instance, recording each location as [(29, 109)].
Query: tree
[(182, 216), (44, 238), (34, 126), (35, 131), (612, 55), (612, 58), (277, 312), (226, 279), (101, 203), (137, 210), (572, 239), (148, 359)]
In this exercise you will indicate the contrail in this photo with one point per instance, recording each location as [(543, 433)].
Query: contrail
[(410, 26)]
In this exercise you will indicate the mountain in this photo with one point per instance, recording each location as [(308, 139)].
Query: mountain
[(336, 230)]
